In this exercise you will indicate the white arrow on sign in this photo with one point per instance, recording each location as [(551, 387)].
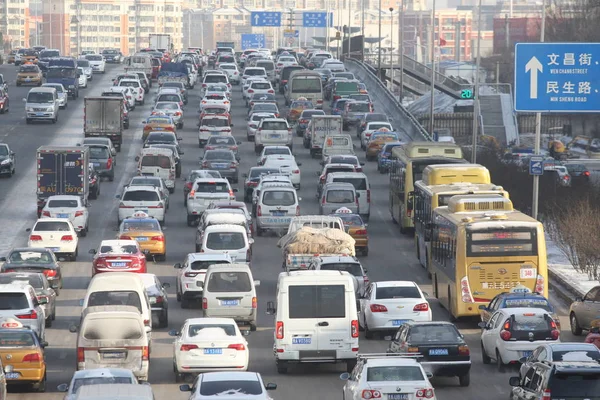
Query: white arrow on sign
[(534, 66), (256, 18)]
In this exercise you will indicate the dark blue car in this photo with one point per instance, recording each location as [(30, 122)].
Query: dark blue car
[(384, 158)]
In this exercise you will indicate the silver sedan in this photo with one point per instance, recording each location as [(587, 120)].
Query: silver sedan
[(170, 108)]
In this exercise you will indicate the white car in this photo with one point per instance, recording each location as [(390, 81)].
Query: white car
[(83, 79), (273, 151), (246, 83), (387, 305), (148, 199), (370, 128), (254, 121), (138, 90), (208, 344), (257, 87), (284, 61), (249, 385), (205, 191), (232, 72), (70, 207), (286, 165), (220, 88), (97, 62), (514, 333), (170, 108), (56, 234), (96, 376), (191, 274), (391, 378), (253, 72), (334, 65), (129, 93), (215, 99), (212, 125)]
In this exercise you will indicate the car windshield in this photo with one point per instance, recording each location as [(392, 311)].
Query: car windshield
[(40, 97), (29, 257), (201, 265), (260, 85), (222, 140), (115, 298), (358, 107), (35, 280), (49, 53), (83, 63), (216, 122), (99, 153), (92, 57), (225, 66), (215, 79), (276, 150), (58, 88), (99, 380), (133, 225), (51, 226), (257, 172), (129, 83), (254, 72), (161, 138), (358, 183), (274, 125), (146, 181), (118, 249), (212, 187), (265, 107), (343, 160), (308, 114), (263, 97), (218, 155), (63, 203), (302, 104), (394, 374), (397, 292), (351, 268), (282, 198), (214, 110), (530, 322), (16, 339), (227, 329), (13, 301), (229, 282), (169, 97), (225, 241), (28, 68), (574, 385), (433, 333), (218, 388), (140, 195), (167, 106), (156, 161)]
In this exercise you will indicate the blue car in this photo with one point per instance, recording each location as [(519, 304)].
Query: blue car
[(337, 106), (384, 158)]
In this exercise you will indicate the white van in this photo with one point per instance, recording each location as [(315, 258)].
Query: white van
[(316, 319), (160, 162), (337, 144), (275, 207), (227, 239), (139, 62), (41, 104), (360, 181), (120, 288)]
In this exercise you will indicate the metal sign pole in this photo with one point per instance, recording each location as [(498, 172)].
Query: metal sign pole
[(538, 129)]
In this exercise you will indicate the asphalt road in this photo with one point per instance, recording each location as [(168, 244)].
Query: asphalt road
[(391, 254)]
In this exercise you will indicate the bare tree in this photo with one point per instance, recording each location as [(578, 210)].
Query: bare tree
[(574, 21)]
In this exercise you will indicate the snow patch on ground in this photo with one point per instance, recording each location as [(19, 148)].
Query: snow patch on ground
[(560, 266)]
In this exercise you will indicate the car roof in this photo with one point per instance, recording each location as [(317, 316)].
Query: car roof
[(391, 361), (225, 228), (522, 310), (119, 242), (383, 284)]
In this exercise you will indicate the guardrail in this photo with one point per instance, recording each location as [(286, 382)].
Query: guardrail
[(392, 106)]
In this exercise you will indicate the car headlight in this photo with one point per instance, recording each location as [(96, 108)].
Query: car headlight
[(71, 86), (49, 109), (5, 162), (29, 109)]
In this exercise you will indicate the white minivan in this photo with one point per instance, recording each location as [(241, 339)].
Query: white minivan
[(361, 184), (316, 319), (227, 239), (156, 161)]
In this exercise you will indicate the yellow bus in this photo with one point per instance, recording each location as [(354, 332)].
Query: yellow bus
[(441, 174), (481, 247), (407, 164)]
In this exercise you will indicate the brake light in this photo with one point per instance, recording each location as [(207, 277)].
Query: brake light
[(378, 308), (232, 165), (192, 194), (555, 333), (540, 284), (371, 394), (204, 303), (425, 393), (354, 328), (80, 354), (30, 315), (231, 194), (237, 346), (209, 147), (586, 173), (250, 91), (546, 395), (35, 238), (464, 350), (322, 179), (505, 333), (188, 185), (323, 200), (421, 307), (466, 290), (109, 163), (336, 97), (67, 238), (259, 211), (79, 213), (296, 171), (319, 101), (125, 237), (50, 273), (279, 330), (270, 91), (254, 302), (158, 238), (279, 64), (177, 113)]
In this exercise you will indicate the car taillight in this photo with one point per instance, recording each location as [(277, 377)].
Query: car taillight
[(30, 315), (66, 238), (158, 238), (322, 179), (555, 333), (466, 290), (271, 91), (177, 113), (80, 354), (546, 395), (204, 303), (190, 274), (323, 200), (233, 165), (371, 394), (192, 194), (237, 346), (79, 213), (32, 357), (540, 284), (425, 393), (319, 101), (231, 195), (125, 237), (421, 307), (378, 308), (45, 213), (50, 273), (296, 171), (250, 91), (505, 333), (259, 211), (280, 65), (205, 164), (188, 185), (35, 238), (209, 147), (279, 330), (109, 163), (464, 350), (586, 173)]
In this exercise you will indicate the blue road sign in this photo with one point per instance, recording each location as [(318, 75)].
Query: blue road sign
[(253, 41), (312, 19), (536, 166), (265, 18), (557, 77), (291, 34)]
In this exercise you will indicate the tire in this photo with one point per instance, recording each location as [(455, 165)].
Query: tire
[(575, 329), (73, 257), (48, 322), (368, 333), (464, 380), (484, 357), (83, 232), (41, 386), (499, 362), (365, 251), (111, 177), (259, 232), (163, 320), (282, 368)]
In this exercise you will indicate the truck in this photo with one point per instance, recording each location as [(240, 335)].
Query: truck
[(139, 62), (319, 127), (300, 246), (160, 41), (174, 72), (103, 117), (63, 70), (61, 170), (225, 45)]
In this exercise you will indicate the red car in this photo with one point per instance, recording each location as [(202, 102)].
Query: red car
[(156, 64), (118, 256)]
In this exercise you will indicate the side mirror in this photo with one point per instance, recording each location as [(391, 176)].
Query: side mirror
[(28, 230), (239, 142), (514, 381), (299, 164), (429, 375), (179, 138), (185, 388), (345, 376), (43, 300), (244, 175), (482, 325), (137, 158), (92, 251), (44, 344), (73, 328), (235, 190), (362, 164), (147, 252), (63, 387), (2, 258), (231, 125), (166, 285), (483, 307), (117, 196), (174, 332), (250, 241), (270, 386), (24, 100), (522, 360), (271, 308), (578, 299), (425, 294), (177, 266), (256, 283)]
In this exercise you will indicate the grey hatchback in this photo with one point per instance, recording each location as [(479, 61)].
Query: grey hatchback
[(103, 160), (337, 195), (224, 143), (223, 161)]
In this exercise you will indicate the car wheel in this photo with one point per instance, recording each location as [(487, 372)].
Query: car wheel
[(48, 322), (575, 329), (190, 221), (83, 232), (259, 232), (41, 386), (365, 251), (111, 177), (484, 357), (499, 362), (368, 333), (73, 257), (464, 380), (163, 320), (54, 309)]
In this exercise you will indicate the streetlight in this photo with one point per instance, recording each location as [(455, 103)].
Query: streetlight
[(476, 90), (349, 25), (401, 48), (379, 52), (538, 126), (432, 100), (392, 47)]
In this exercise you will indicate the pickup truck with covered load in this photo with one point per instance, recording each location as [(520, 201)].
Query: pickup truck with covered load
[(174, 72)]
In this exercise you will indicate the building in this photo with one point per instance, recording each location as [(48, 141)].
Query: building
[(203, 28), (14, 15), (520, 30), (75, 25)]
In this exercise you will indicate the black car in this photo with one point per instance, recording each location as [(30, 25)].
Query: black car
[(94, 185), (34, 259), (7, 160), (176, 154), (442, 348), (580, 174), (252, 179), (157, 137), (157, 295)]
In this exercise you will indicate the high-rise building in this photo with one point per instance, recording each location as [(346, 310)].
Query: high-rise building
[(14, 15)]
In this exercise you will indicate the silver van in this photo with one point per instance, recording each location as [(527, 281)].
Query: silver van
[(230, 292), (360, 181), (269, 66), (113, 337), (41, 104), (337, 195)]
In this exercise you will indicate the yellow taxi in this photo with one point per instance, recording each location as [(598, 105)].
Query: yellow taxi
[(29, 74), (30, 58), (355, 227), (22, 355), (377, 140), (147, 232), (158, 123), (297, 107)]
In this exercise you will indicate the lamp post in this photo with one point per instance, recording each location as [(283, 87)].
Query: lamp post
[(401, 48), (476, 104), (432, 99), (538, 127), (362, 29), (379, 52), (349, 26), (392, 48)]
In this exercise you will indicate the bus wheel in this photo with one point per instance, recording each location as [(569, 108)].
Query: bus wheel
[(452, 317), (435, 287)]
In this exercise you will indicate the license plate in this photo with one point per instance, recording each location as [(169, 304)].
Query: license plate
[(119, 264), (116, 354), (220, 166), (213, 351), (275, 136), (397, 396), (278, 220), (141, 239), (278, 213), (27, 79), (230, 302), (526, 353), (40, 114), (55, 249), (158, 129), (62, 215), (438, 352), (398, 322), (96, 164), (12, 375), (301, 340)]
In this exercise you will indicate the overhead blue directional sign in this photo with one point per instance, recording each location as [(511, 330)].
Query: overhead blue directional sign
[(318, 19), (536, 166), (557, 77), (253, 41), (265, 18)]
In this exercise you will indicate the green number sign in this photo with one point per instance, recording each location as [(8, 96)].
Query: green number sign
[(466, 94)]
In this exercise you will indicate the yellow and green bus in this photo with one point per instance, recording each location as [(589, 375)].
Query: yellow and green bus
[(481, 247), (407, 164)]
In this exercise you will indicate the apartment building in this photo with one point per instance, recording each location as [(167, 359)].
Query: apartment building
[(204, 27), (14, 15), (75, 25)]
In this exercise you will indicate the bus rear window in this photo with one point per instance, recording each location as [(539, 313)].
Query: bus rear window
[(502, 243)]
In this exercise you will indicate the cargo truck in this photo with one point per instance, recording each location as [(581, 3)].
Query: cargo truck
[(160, 41), (103, 117), (63, 70), (61, 170), (174, 72), (319, 127)]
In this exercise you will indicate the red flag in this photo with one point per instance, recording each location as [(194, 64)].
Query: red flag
[(442, 41)]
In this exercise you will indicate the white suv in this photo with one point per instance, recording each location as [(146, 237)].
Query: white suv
[(19, 300), (191, 274), (227, 239), (205, 191), (275, 208), (148, 199)]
